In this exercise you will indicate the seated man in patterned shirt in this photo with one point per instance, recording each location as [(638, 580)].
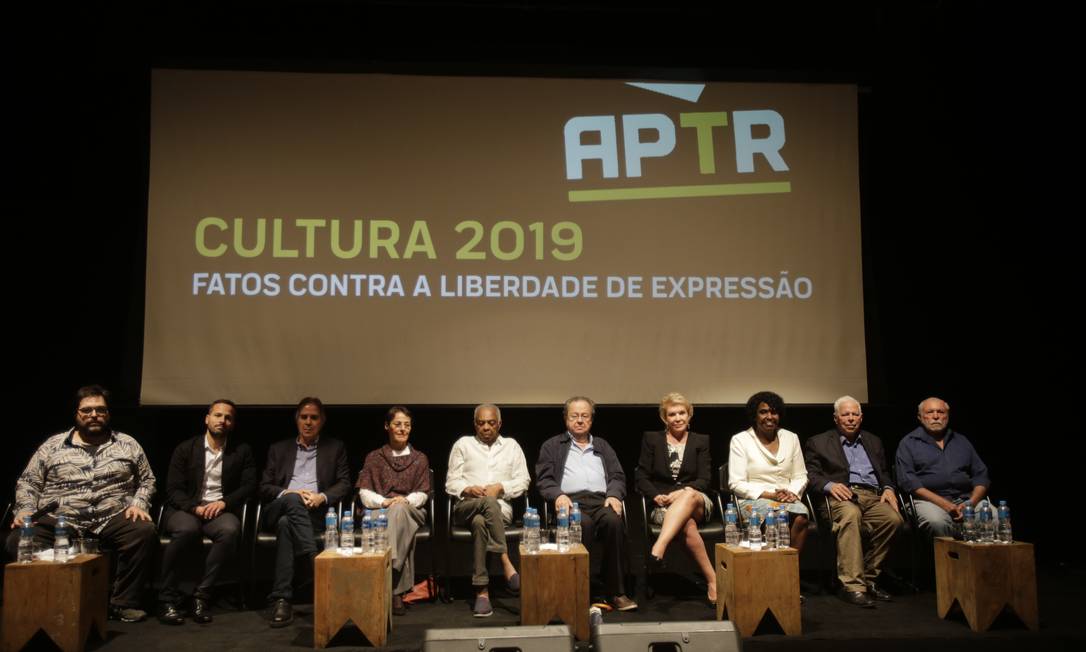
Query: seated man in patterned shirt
[(102, 484)]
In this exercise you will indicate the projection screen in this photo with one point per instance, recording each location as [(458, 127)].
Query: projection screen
[(377, 239)]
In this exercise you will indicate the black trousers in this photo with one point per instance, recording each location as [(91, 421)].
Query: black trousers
[(297, 528), (186, 532), (604, 533), (134, 543)]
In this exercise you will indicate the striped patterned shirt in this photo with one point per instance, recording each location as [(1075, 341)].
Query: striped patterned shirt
[(92, 483)]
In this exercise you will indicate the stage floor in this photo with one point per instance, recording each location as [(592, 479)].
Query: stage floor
[(908, 623)]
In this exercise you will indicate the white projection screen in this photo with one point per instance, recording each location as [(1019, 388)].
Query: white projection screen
[(377, 239)]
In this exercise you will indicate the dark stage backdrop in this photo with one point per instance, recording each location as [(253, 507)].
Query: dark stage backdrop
[(963, 260)]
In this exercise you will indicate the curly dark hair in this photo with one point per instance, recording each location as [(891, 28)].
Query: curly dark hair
[(772, 399)]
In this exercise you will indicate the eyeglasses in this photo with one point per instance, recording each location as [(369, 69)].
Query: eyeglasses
[(95, 409)]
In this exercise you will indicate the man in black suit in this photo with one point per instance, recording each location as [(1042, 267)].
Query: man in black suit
[(848, 465), (302, 477), (210, 478)]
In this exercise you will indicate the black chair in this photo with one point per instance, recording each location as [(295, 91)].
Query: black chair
[(462, 533), (713, 528), (164, 540)]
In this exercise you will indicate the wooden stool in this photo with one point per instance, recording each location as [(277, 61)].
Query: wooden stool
[(985, 578), (554, 586), (352, 587), (63, 600), (749, 583)]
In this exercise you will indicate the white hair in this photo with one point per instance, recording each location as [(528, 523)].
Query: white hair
[(920, 405), (845, 399), (483, 406)]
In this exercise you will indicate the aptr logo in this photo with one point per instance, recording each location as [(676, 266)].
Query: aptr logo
[(653, 135)]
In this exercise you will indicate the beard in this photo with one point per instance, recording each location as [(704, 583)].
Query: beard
[(91, 431)]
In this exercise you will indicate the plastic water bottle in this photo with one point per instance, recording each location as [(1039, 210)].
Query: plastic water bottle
[(346, 535), (330, 536), (380, 532), (771, 530), (563, 530), (531, 531), (969, 524), (754, 531), (1004, 525), (987, 529), (784, 535), (575, 524), (595, 616), (367, 532), (731, 528), (26, 542), (60, 542)]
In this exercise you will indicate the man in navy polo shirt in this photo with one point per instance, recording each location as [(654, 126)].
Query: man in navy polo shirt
[(941, 469)]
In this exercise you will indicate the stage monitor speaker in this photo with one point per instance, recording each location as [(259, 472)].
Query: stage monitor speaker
[(526, 638), (691, 636)]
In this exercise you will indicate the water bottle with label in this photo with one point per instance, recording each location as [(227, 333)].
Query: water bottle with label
[(987, 529), (575, 524), (380, 539), (969, 524), (784, 535), (563, 530), (346, 535), (771, 530), (754, 530), (367, 532), (531, 531), (731, 527), (330, 527), (26, 542), (60, 542), (1004, 526)]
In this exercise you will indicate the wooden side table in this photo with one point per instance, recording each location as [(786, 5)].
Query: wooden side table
[(554, 586), (64, 600), (985, 578), (750, 583), (352, 587)]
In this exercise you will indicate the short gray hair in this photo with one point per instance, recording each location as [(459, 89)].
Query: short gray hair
[(920, 405), (483, 406)]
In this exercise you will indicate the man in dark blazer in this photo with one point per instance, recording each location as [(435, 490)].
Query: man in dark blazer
[(210, 478), (302, 478), (596, 483), (848, 466)]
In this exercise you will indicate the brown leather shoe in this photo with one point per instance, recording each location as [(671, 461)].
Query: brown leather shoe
[(623, 603), (875, 592)]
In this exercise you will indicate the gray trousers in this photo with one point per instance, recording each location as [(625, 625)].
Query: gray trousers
[(484, 517), (404, 519)]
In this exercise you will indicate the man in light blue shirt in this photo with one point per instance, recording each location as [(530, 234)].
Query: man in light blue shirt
[(577, 467)]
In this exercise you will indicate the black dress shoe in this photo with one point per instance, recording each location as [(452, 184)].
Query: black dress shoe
[(875, 592), (282, 613), (171, 615), (857, 598), (201, 611)]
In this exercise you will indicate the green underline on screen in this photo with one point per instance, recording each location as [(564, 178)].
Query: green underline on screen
[(671, 192)]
